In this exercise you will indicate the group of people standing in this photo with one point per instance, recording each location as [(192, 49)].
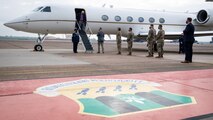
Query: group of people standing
[(130, 37), (152, 39)]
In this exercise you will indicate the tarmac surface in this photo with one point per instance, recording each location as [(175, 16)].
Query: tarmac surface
[(19, 62), (29, 82)]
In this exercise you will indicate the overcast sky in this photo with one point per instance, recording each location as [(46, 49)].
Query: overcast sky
[(11, 9)]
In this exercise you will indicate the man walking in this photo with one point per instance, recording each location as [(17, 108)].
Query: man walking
[(150, 39), (160, 41), (100, 40), (130, 37), (75, 41), (188, 40), (118, 39)]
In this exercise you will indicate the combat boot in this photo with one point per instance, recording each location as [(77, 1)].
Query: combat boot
[(119, 53), (149, 56)]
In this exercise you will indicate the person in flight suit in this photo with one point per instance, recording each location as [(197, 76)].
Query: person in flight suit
[(130, 37), (160, 41), (75, 41), (189, 39), (150, 39), (118, 40)]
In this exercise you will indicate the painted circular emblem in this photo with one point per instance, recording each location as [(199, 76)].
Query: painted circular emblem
[(115, 97)]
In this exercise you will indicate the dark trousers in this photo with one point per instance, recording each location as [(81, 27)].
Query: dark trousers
[(188, 51), (181, 48), (75, 47)]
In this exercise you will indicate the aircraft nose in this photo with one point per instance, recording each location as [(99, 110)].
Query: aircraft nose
[(10, 25), (7, 24), (16, 24)]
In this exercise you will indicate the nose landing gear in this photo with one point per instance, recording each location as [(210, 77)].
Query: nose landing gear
[(38, 48), (39, 41)]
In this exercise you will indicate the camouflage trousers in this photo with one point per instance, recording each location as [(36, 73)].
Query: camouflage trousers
[(150, 47), (160, 48), (119, 46), (129, 47)]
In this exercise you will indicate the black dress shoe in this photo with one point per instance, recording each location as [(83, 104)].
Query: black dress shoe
[(185, 61)]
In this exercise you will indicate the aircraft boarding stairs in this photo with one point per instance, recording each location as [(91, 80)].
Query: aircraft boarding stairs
[(85, 39)]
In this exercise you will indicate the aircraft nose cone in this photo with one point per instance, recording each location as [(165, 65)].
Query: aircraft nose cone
[(13, 25), (6, 24)]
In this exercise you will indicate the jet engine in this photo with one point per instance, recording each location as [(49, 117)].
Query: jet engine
[(205, 17)]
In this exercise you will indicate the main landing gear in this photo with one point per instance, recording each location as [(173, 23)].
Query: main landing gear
[(39, 41)]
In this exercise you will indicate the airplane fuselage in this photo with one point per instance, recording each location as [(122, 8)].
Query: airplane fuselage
[(62, 20)]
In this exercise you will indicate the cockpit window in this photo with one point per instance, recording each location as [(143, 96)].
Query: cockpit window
[(46, 9), (38, 9)]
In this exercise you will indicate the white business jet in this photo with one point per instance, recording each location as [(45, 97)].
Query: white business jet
[(62, 19)]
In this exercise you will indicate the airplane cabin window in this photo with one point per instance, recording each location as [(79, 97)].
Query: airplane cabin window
[(105, 17), (151, 20), (117, 18), (162, 20), (38, 9), (141, 19), (46, 9), (129, 19)]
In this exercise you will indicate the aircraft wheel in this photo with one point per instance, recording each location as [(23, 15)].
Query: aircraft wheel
[(38, 48)]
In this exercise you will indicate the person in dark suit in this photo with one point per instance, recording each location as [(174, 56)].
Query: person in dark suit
[(188, 35), (75, 41)]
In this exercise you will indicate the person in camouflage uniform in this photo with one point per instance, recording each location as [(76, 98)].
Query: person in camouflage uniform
[(160, 41), (130, 37), (118, 39), (150, 41)]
